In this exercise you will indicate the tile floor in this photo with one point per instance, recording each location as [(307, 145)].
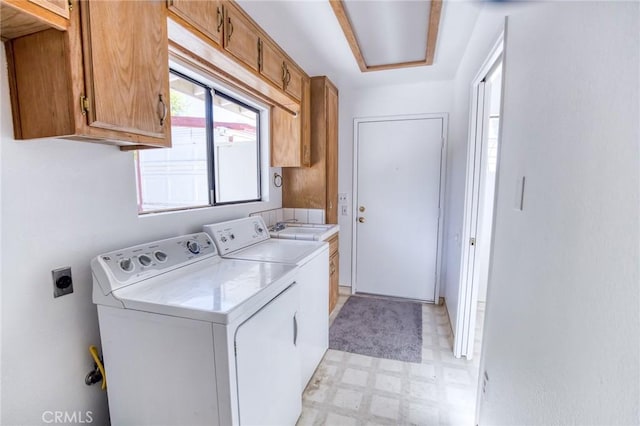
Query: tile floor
[(352, 389)]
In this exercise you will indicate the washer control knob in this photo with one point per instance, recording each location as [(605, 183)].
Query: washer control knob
[(223, 239), (233, 237), (193, 247), (160, 256), (144, 260), (126, 264), (259, 229)]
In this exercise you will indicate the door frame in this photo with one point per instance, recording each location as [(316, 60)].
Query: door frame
[(443, 174), (464, 333)]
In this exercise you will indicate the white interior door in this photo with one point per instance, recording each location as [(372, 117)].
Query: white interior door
[(482, 166), (397, 206)]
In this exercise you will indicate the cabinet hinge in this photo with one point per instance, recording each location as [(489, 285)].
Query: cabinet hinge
[(259, 55), (70, 5), (472, 241), (84, 104)]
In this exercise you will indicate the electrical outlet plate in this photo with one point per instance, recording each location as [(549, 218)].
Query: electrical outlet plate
[(62, 281), (342, 197)]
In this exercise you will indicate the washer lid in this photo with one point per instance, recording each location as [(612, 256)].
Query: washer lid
[(281, 251), (219, 290)]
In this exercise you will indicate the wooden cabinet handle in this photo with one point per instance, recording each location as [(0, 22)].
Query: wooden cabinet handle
[(220, 20), (229, 29), (162, 109), (288, 78), (284, 74)]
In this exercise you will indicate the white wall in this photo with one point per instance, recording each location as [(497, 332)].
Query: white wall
[(562, 317), (63, 203), (428, 97)]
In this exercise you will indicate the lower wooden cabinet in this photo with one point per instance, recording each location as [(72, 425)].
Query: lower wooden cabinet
[(334, 272)]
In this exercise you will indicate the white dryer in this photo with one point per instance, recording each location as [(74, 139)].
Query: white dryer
[(248, 239), (190, 338)]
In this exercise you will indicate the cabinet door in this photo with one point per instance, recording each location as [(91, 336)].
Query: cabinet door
[(204, 15), (272, 65), (293, 81), (334, 274), (285, 138), (127, 77), (240, 36), (332, 154)]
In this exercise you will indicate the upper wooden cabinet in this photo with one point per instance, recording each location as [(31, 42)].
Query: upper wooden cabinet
[(241, 37), (291, 134), (107, 85), (205, 16), (316, 187), (272, 64), (279, 70), (22, 17), (138, 66), (59, 7), (293, 81)]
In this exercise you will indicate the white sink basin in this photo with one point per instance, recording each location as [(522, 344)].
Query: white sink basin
[(305, 231)]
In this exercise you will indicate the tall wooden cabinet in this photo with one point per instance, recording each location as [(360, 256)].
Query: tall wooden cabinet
[(93, 82), (316, 187)]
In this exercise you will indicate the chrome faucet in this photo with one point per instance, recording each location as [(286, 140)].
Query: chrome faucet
[(281, 225)]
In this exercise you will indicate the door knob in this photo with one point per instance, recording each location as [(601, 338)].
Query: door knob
[(361, 219), (361, 209)]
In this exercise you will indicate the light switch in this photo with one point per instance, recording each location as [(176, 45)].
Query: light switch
[(518, 202), (344, 210)]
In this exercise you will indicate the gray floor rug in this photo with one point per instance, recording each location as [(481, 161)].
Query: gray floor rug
[(379, 328)]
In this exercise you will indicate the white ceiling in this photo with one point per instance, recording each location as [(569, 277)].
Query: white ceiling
[(390, 32), (310, 33)]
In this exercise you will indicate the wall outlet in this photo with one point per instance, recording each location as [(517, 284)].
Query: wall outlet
[(344, 210), (343, 198), (62, 281)]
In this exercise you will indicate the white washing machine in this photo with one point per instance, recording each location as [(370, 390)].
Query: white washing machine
[(248, 239), (190, 338)]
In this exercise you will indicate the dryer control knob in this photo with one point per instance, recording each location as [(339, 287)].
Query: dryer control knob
[(144, 260), (126, 264), (160, 256), (193, 247)]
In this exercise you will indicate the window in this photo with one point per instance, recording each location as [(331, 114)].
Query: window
[(215, 153)]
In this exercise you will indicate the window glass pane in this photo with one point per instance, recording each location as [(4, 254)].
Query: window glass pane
[(236, 151), (177, 177)]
